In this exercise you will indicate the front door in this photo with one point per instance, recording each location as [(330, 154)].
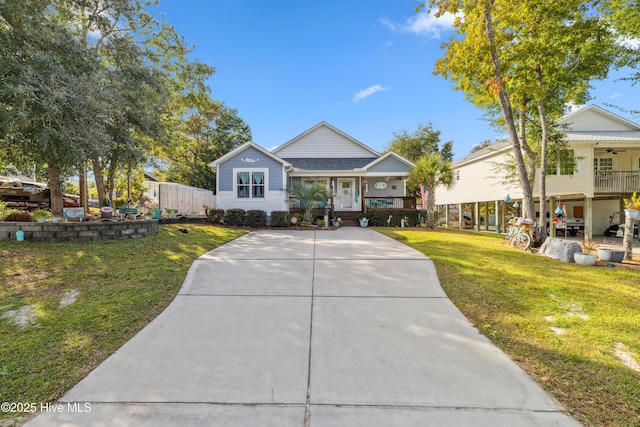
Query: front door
[(345, 193)]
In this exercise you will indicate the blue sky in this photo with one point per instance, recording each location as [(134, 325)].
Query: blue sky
[(363, 66)]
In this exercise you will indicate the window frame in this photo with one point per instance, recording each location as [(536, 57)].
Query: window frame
[(251, 186)]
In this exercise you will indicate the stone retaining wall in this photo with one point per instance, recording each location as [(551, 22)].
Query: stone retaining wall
[(79, 231)]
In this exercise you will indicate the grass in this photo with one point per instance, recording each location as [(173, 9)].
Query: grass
[(122, 286), (515, 298)]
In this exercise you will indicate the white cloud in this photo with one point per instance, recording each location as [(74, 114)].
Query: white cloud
[(571, 107), (616, 95), (368, 92), (629, 43), (422, 24)]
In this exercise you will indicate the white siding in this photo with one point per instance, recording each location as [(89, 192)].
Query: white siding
[(323, 143), (275, 201), (581, 182), (478, 183), (591, 120)]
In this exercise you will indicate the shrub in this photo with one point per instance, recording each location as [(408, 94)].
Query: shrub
[(280, 219), (235, 217), (256, 218), (4, 210), (21, 216), (215, 215)]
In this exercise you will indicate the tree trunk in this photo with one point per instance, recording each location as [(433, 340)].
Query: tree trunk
[(97, 173), (84, 189), (627, 240), (541, 228), (431, 205), (528, 207), (55, 188)]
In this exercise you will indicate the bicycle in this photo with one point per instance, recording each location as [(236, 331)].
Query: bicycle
[(522, 238)]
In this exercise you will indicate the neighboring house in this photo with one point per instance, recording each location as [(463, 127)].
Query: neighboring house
[(607, 149), (250, 177)]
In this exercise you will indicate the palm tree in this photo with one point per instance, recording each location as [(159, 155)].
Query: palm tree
[(310, 197), (431, 170)]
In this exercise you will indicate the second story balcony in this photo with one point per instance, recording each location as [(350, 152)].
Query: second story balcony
[(617, 181)]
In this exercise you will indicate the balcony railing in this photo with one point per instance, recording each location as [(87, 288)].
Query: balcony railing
[(390, 202), (617, 181)]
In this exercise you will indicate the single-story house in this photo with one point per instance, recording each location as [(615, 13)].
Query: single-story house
[(251, 177), (606, 148)]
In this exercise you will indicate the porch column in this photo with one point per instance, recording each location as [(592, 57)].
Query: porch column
[(446, 216), (486, 216), (476, 215), (552, 209), (460, 216), (498, 214), (363, 206), (588, 219)]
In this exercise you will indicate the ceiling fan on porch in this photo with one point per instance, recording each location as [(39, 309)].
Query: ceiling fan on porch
[(614, 150)]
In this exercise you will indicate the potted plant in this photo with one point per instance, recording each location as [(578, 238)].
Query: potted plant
[(610, 253), (586, 257), (40, 215), (632, 206), (336, 222), (55, 218), (363, 218)]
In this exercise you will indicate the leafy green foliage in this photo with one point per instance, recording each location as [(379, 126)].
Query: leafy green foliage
[(310, 197), (256, 218), (280, 219), (235, 217), (215, 215), (425, 140), (431, 170)]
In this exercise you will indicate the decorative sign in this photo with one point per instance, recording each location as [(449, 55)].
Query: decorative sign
[(248, 160), (73, 213), (380, 185)]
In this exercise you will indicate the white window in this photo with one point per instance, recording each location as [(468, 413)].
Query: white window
[(566, 164), (250, 184), (603, 164)]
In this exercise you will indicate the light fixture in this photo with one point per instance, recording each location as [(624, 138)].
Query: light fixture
[(516, 205)]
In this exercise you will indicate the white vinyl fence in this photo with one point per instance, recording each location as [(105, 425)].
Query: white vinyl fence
[(186, 199)]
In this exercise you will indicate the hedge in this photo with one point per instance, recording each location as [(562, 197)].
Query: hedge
[(235, 217), (256, 218), (280, 219), (215, 215)]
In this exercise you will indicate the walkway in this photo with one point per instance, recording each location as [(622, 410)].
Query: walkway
[(294, 328)]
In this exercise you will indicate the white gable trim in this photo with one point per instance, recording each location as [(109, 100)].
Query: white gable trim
[(334, 129), (243, 147), (385, 156), (601, 111)]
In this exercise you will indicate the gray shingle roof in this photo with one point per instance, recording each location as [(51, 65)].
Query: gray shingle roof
[(330, 164)]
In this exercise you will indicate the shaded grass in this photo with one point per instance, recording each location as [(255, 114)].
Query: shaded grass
[(122, 286), (514, 298)]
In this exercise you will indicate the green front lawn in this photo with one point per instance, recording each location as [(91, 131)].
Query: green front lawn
[(122, 285), (562, 323)]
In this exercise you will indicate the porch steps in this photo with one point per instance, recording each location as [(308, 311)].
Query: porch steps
[(349, 218)]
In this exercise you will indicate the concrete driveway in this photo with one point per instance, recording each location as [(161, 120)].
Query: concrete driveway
[(295, 328)]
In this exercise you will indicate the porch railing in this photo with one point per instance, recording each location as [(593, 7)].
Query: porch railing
[(617, 181), (390, 202)]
